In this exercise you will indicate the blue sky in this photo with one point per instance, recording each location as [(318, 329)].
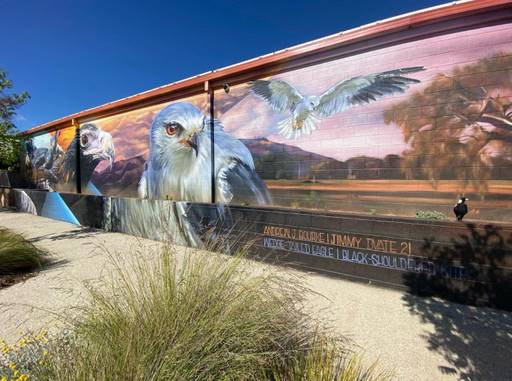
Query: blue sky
[(75, 54)]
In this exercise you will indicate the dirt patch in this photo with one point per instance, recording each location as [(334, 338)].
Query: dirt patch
[(11, 279)]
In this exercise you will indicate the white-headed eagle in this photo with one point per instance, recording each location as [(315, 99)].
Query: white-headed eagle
[(179, 164), (179, 169), (306, 110)]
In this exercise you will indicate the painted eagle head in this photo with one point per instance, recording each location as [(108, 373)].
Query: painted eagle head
[(95, 146), (176, 135)]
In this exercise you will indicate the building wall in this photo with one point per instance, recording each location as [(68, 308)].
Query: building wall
[(340, 165), (416, 151), (369, 139), (48, 161)]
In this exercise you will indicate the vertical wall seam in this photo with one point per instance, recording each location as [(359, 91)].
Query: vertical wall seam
[(212, 140), (78, 172)]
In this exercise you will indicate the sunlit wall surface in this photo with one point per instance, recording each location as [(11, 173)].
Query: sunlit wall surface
[(48, 161), (150, 152), (359, 135), (402, 130)]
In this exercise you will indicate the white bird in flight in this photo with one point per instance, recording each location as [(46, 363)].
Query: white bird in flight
[(307, 110)]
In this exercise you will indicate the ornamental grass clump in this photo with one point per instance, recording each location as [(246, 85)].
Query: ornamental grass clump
[(17, 255), (206, 317)]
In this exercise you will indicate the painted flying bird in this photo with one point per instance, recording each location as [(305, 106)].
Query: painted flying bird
[(179, 161), (461, 209), (307, 110)]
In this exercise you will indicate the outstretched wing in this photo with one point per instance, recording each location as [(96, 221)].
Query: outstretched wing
[(237, 183), (360, 90), (279, 94)]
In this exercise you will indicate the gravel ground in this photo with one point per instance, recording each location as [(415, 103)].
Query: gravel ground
[(420, 338)]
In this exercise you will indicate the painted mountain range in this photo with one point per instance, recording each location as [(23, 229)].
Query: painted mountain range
[(274, 161)]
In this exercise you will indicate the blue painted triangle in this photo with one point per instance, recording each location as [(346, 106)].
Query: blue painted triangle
[(55, 207)]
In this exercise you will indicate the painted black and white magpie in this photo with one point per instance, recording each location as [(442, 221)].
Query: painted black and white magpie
[(461, 209)]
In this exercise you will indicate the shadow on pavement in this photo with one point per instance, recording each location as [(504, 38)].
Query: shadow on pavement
[(77, 233), (475, 341)]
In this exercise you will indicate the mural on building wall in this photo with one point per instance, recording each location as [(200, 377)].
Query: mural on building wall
[(49, 163), (49, 160), (174, 163), (398, 142), (400, 130)]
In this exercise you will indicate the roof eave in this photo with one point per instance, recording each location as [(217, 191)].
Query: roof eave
[(365, 32)]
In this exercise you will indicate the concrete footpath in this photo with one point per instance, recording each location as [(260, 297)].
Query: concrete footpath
[(420, 338)]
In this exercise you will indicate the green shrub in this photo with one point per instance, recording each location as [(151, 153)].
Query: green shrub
[(17, 255), (208, 318), (431, 215)]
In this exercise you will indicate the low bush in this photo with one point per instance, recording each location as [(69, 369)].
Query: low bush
[(17, 255), (206, 318), (431, 215)]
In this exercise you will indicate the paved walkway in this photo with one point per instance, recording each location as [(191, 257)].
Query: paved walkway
[(421, 338)]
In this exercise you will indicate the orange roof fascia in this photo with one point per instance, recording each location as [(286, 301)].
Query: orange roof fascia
[(379, 28)]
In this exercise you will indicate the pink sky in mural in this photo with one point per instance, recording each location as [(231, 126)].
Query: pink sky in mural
[(357, 131), (130, 131), (361, 130)]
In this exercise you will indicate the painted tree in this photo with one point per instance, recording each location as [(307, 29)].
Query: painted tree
[(459, 126), (9, 103)]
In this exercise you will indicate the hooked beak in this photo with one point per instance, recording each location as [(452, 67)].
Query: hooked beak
[(192, 142)]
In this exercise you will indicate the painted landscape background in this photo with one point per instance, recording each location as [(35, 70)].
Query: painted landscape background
[(448, 135), (48, 161)]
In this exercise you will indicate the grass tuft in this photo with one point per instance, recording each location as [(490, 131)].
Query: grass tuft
[(17, 255)]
